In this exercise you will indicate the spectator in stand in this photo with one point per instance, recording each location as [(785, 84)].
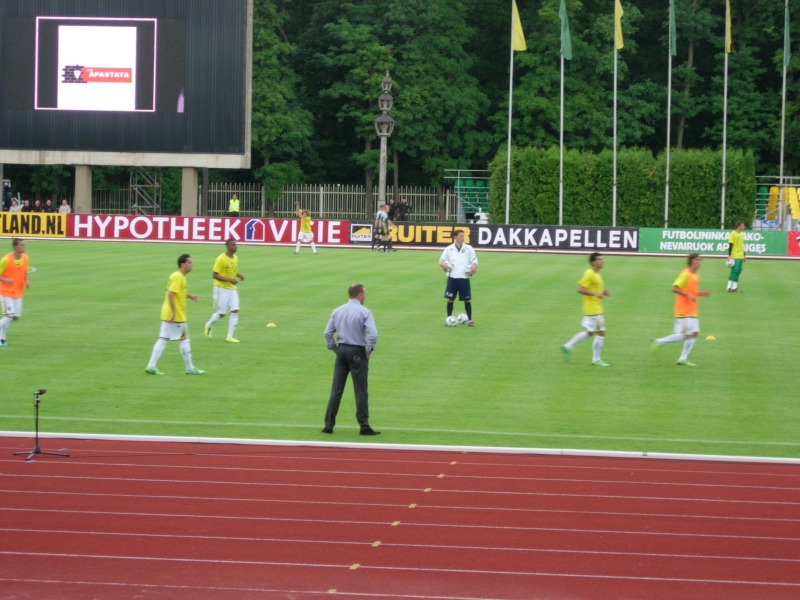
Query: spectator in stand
[(15, 207), (37, 206), (403, 210), (26, 206), (48, 206), (392, 210), (64, 209)]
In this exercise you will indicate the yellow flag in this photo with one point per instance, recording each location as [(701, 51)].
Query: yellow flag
[(618, 44), (728, 26), (518, 38)]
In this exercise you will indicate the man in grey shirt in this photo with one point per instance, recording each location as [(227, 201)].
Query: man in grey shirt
[(356, 337)]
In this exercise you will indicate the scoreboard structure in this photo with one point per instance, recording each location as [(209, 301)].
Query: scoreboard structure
[(126, 82)]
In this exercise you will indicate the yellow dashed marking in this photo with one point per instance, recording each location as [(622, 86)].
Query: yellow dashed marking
[(452, 463), (412, 505), (376, 544), (354, 567), (441, 475), (427, 489), (396, 523), (331, 591)]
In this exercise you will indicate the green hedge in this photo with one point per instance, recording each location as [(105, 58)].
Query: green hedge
[(695, 192)]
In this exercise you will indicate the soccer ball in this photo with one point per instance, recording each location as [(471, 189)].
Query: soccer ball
[(729, 263), (449, 266), (462, 319), (451, 321)]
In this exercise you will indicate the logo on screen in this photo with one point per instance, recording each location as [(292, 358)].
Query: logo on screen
[(81, 74)]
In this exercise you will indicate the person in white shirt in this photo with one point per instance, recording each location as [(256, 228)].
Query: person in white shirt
[(460, 263), (64, 209)]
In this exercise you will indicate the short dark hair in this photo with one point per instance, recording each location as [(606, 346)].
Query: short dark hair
[(229, 241), (182, 259), (691, 257), (355, 289), (16, 242), (738, 223), (593, 256)]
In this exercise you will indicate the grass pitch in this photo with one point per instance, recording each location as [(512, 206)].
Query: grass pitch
[(92, 315)]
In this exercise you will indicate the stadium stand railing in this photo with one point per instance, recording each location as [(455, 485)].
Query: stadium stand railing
[(472, 190), (774, 212)]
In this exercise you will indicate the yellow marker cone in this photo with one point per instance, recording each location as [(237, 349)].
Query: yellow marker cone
[(711, 337), (271, 325)]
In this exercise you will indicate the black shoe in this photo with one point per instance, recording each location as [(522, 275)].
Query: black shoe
[(327, 430), (370, 431)]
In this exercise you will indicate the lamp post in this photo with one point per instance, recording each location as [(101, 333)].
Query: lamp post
[(384, 125)]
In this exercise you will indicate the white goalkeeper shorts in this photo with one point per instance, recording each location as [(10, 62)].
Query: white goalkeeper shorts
[(174, 331), (687, 325), (225, 300), (305, 237), (593, 323), (11, 307)]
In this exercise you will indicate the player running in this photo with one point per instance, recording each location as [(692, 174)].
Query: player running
[(592, 288), (226, 277), (460, 263), (13, 283), (736, 254), (687, 325), (173, 319), (382, 224), (306, 234)]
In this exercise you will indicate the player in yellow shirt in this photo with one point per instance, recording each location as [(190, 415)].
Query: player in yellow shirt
[(226, 277), (736, 254), (592, 288), (687, 324), (13, 283), (173, 319), (305, 235)]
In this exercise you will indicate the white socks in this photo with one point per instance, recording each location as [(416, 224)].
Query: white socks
[(730, 285), (214, 318), (597, 345), (687, 347), (4, 323), (297, 248), (233, 319), (670, 339), (158, 349), (186, 352), (313, 247), (735, 285), (577, 339)]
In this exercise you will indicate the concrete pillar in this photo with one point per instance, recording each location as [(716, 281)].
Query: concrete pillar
[(83, 190), (189, 191)]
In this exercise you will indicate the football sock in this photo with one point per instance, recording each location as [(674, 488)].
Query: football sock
[(233, 319), (186, 352), (214, 318), (4, 323), (735, 285), (158, 349), (468, 308), (597, 345), (313, 247), (297, 248), (577, 339), (450, 309), (730, 285), (670, 339), (687, 347)]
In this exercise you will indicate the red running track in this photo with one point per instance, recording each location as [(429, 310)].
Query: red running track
[(182, 520)]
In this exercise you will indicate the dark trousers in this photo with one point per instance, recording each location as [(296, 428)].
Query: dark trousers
[(353, 360)]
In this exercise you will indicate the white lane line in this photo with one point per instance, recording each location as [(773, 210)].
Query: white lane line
[(411, 569), (394, 544), (397, 489), (315, 426), (291, 593), (204, 468), (389, 523), (420, 506)]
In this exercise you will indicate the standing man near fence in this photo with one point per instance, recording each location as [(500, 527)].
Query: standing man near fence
[(737, 255), (13, 283), (233, 206), (403, 210), (306, 235), (356, 337), (226, 277)]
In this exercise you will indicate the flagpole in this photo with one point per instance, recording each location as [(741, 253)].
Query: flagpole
[(724, 141), (614, 195), (783, 119), (561, 152), (510, 100), (669, 137)]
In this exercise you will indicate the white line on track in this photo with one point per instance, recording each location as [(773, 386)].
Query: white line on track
[(398, 545), (397, 489), (412, 569), (390, 523), (315, 427), (420, 506), (433, 474)]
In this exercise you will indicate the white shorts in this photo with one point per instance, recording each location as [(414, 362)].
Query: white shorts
[(593, 323), (306, 237), (225, 300), (687, 325), (174, 331), (11, 307)]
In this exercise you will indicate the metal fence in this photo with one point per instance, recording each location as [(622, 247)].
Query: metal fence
[(113, 202), (325, 201)]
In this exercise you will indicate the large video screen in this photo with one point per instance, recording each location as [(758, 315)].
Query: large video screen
[(124, 76)]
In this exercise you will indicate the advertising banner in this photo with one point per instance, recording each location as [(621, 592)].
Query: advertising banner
[(711, 241), (411, 234), (794, 243), (200, 229), (33, 224), (553, 237)]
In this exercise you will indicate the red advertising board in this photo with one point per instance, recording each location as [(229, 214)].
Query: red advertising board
[(201, 229), (794, 243)]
